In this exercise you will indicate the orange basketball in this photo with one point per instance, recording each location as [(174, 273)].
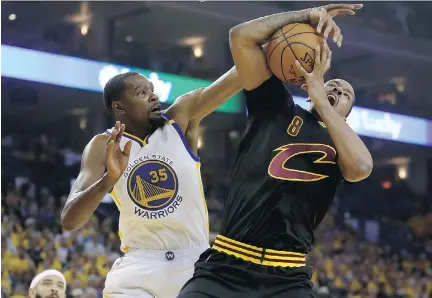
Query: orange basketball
[(290, 43)]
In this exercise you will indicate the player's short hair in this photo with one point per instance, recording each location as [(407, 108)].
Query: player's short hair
[(114, 89)]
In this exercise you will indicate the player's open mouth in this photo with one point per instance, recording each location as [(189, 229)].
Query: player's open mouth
[(331, 98), (156, 108)]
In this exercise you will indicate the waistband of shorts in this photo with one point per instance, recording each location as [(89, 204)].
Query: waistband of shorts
[(186, 252), (258, 255)]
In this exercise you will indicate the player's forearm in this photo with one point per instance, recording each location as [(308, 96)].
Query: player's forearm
[(217, 93), (80, 206), (354, 156), (195, 105), (258, 31)]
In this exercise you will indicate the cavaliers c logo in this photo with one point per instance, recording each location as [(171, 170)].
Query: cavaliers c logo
[(278, 170), (152, 185)]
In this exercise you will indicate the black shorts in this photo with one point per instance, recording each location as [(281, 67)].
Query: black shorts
[(222, 275)]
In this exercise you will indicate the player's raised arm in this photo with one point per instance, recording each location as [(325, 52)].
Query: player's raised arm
[(246, 39), (354, 158), (195, 105), (93, 183)]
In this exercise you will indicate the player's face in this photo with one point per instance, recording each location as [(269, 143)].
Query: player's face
[(139, 102), (340, 93), (49, 287)]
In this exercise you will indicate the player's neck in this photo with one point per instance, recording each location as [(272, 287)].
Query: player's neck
[(139, 130)]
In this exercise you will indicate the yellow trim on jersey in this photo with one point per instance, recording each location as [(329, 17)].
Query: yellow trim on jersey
[(115, 199), (171, 121), (125, 248), (197, 165), (258, 255), (137, 139)]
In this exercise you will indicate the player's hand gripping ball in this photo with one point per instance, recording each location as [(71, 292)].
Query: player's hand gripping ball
[(297, 42), (291, 43)]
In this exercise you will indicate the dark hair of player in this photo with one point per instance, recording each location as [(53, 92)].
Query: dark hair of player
[(114, 89)]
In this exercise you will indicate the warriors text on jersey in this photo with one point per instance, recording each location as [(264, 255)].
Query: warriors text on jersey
[(160, 195), (286, 174)]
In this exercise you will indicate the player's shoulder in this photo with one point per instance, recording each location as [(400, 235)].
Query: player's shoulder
[(96, 148), (310, 121), (100, 137), (98, 141), (306, 115), (269, 88)]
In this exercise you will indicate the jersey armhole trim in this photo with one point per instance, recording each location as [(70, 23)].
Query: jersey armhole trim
[(182, 136), (115, 199), (131, 137)]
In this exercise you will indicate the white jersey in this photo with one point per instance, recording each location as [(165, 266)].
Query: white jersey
[(160, 194)]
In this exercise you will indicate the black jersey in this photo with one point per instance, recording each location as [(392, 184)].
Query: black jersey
[(285, 176)]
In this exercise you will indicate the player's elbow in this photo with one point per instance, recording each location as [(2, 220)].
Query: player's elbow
[(67, 225), (66, 221), (235, 32), (238, 35), (360, 171)]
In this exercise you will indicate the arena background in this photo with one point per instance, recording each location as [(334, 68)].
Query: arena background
[(56, 57)]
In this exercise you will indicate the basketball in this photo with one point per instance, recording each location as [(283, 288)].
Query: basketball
[(290, 43)]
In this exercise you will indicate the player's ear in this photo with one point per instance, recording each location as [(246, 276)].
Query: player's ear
[(118, 109)]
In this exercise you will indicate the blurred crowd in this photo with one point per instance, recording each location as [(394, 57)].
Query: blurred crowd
[(36, 177), (345, 266)]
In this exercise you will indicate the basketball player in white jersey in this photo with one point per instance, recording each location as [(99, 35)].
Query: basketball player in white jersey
[(149, 164)]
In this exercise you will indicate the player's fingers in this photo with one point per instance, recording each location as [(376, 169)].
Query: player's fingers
[(329, 27), (322, 20), (120, 134), (327, 67), (324, 55), (328, 62), (304, 87), (339, 6), (110, 149), (301, 69), (339, 41), (320, 68), (336, 32), (110, 137), (317, 56), (347, 12), (127, 148), (343, 12), (114, 134)]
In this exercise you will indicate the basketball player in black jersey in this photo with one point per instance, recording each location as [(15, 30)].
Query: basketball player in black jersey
[(289, 164)]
